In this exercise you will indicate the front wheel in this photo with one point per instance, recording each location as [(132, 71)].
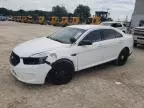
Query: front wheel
[(62, 73), (122, 59)]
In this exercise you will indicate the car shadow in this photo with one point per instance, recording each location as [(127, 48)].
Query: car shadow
[(95, 69)]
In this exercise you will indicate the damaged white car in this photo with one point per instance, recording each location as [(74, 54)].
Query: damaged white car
[(71, 49)]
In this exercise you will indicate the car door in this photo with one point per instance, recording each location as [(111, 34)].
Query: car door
[(112, 44), (90, 55)]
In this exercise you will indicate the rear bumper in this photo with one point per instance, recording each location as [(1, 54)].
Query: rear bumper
[(32, 74)]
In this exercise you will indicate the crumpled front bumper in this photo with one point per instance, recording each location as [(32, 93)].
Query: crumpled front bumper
[(32, 74)]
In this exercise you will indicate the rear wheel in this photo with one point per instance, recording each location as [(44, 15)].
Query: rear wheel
[(62, 73), (122, 59)]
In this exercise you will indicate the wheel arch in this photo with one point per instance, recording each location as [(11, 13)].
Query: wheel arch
[(125, 48), (125, 51), (63, 60)]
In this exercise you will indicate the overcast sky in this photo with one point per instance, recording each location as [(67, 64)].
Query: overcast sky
[(118, 8)]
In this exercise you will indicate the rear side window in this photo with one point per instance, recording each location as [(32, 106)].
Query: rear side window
[(116, 25), (110, 34), (93, 36)]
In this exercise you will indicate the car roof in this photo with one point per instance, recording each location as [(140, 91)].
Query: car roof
[(88, 27)]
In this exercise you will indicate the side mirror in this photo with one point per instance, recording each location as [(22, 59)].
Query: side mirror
[(82, 43), (72, 40)]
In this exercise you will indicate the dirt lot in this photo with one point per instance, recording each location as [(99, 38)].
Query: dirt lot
[(106, 86)]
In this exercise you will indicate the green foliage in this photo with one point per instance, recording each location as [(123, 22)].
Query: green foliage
[(4, 11), (59, 11), (83, 12), (34, 14), (70, 15)]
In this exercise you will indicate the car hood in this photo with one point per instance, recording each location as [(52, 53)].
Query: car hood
[(37, 46)]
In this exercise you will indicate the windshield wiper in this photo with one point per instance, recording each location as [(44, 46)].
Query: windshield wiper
[(58, 40), (49, 37)]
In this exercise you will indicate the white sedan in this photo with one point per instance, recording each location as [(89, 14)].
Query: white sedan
[(71, 49), (119, 25)]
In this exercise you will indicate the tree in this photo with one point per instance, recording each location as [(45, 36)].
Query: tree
[(4, 11), (83, 12), (21, 12), (59, 11), (70, 15)]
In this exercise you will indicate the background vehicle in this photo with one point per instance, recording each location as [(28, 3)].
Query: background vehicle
[(74, 20), (10, 18), (41, 20), (24, 19), (119, 25), (54, 20), (138, 36), (18, 19), (3, 18), (29, 19), (72, 49), (93, 20), (64, 21), (14, 18)]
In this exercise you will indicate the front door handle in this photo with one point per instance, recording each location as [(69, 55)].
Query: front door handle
[(74, 54)]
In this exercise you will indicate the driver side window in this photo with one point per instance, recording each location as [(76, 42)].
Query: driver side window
[(116, 25), (93, 36)]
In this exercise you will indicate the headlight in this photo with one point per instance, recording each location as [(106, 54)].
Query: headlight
[(34, 60), (53, 55)]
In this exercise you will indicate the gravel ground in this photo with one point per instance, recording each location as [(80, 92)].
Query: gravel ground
[(105, 86)]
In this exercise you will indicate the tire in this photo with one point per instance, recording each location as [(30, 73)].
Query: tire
[(62, 73), (123, 56)]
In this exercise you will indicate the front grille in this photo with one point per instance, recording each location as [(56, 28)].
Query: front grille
[(31, 61), (14, 59)]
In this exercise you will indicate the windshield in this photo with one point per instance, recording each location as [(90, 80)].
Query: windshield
[(66, 34)]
